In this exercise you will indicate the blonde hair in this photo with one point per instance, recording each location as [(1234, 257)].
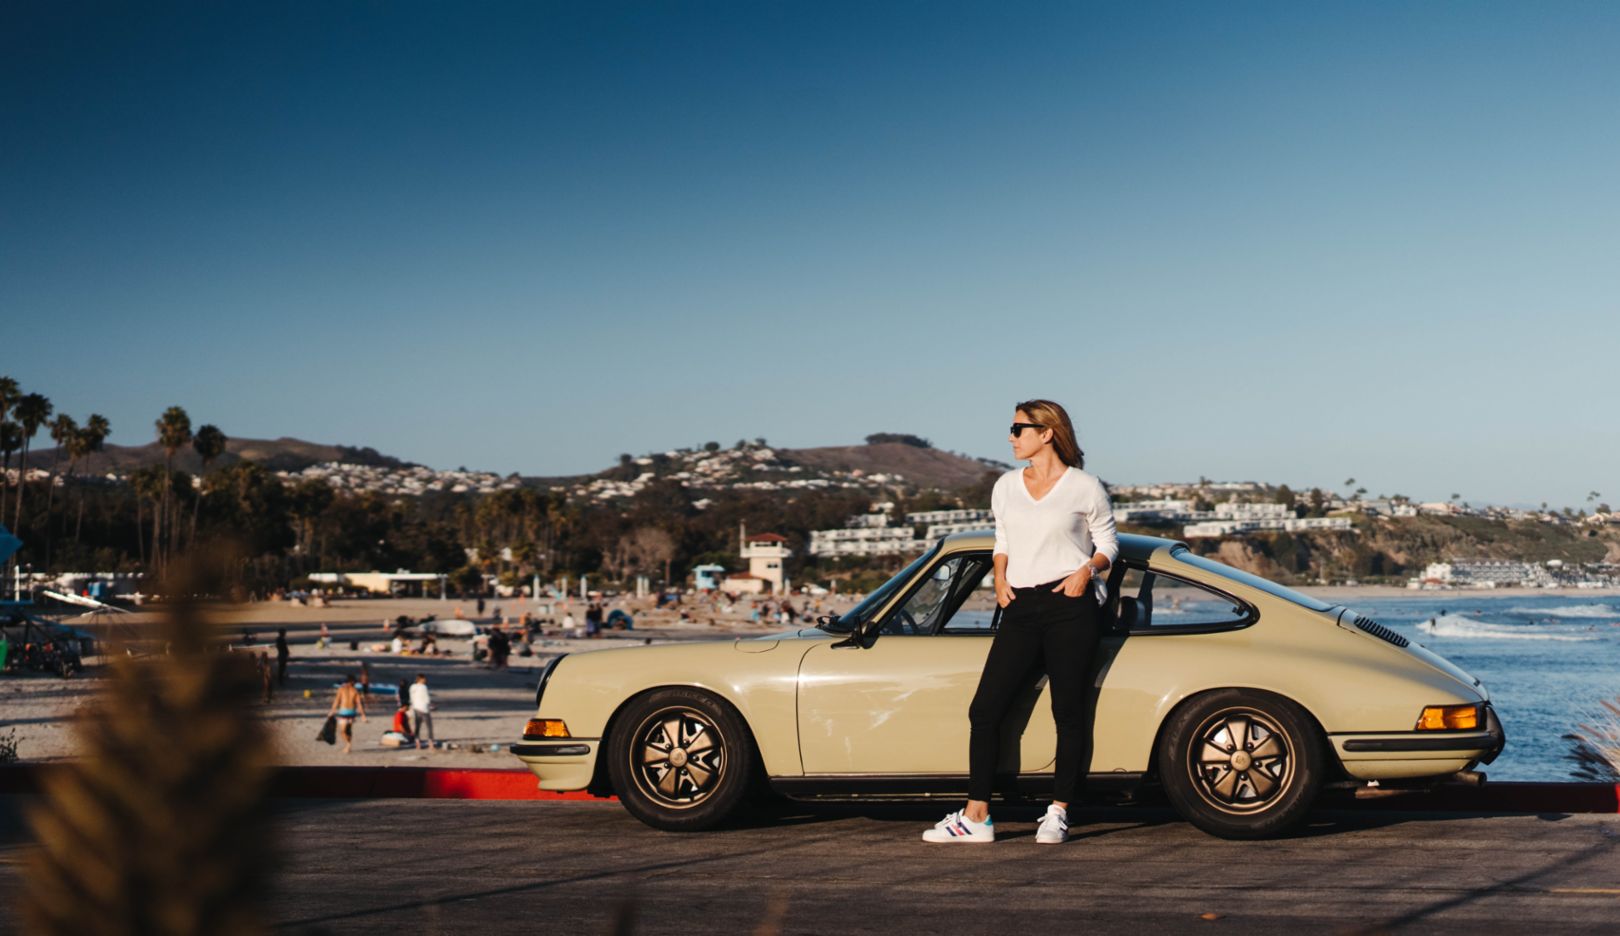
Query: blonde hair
[(1050, 415)]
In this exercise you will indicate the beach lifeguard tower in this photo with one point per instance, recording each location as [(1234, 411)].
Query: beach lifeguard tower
[(765, 553)]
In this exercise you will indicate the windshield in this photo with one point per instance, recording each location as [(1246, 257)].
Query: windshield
[(879, 597), (1187, 556)]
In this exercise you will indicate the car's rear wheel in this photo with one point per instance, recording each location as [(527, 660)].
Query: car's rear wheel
[(1241, 764), (680, 759)]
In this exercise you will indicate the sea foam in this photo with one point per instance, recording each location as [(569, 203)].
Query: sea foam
[(1454, 625), (1569, 611)]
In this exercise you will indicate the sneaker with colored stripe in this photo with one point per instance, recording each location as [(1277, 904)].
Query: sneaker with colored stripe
[(1054, 828), (957, 827)]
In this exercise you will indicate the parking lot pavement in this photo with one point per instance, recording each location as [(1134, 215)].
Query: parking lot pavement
[(419, 866)]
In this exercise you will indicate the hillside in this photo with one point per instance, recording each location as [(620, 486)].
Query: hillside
[(923, 467), (882, 466), (284, 454)]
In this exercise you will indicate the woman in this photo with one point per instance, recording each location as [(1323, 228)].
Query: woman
[(1054, 539), (345, 705)]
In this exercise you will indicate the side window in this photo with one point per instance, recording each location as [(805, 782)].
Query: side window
[(950, 600), (1150, 601)]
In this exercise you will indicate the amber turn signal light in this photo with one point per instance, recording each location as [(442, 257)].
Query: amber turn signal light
[(545, 728), (1448, 718)]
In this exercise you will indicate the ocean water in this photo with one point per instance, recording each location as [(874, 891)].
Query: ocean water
[(1548, 660)]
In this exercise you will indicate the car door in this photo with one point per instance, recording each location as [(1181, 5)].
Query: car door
[(899, 706), (1156, 622)]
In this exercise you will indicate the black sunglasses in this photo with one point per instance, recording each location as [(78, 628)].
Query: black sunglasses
[(1020, 427)]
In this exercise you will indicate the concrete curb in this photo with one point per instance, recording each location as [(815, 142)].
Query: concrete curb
[(505, 784)]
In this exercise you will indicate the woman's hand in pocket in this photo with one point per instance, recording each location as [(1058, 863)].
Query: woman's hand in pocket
[(1075, 585), (1004, 592)]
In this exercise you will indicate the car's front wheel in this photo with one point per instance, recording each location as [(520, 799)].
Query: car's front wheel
[(1241, 764), (680, 759)]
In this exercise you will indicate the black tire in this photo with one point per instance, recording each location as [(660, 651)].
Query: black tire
[(1241, 764), (680, 759)]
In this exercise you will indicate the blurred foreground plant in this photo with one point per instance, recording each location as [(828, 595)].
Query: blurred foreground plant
[(1595, 748), (159, 826)]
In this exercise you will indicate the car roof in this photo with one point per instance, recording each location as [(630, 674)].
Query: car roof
[(1131, 545)]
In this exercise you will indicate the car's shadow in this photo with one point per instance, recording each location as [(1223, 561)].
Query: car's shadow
[(1092, 821)]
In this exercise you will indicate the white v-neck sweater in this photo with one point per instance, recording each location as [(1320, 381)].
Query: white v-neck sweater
[(1049, 539)]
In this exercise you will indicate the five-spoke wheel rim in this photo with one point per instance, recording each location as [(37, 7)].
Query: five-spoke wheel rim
[(1240, 760), (678, 756)]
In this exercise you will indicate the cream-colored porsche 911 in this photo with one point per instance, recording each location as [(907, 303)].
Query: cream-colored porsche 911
[(1240, 698)]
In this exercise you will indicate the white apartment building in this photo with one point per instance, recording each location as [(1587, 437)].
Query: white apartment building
[(936, 530), (1235, 511), (973, 516), (1291, 525), (1487, 573), (865, 541), (1147, 510)]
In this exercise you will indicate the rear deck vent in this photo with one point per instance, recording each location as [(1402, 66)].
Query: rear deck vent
[(1380, 631)]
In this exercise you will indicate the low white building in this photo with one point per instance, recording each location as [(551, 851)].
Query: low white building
[(974, 517), (868, 541), (936, 530), (1215, 528), (1486, 573)]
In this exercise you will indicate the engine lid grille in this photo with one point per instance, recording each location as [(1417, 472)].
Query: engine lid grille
[(1378, 630)]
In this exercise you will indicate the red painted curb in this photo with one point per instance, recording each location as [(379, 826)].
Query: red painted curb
[(481, 783), (505, 784)]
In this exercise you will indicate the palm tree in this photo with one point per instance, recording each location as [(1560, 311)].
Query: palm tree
[(174, 431), (149, 485), (64, 429), (88, 442), (10, 441), (10, 393), (209, 443), (33, 410)]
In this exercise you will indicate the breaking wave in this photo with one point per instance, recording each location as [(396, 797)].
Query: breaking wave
[(1452, 625), (1570, 611)]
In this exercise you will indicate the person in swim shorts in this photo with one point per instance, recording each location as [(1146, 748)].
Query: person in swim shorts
[(346, 705)]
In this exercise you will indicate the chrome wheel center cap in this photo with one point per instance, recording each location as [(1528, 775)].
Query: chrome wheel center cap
[(677, 758), (1242, 761)]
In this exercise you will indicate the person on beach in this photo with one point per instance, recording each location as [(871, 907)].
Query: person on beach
[(1054, 538), (265, 674), (422, 712), (346, 704), (283, 654)]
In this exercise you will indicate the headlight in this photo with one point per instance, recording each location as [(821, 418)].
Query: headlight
[(538, 728), (1450, 718)]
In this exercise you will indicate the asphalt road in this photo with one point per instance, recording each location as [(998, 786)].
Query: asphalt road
[(418, 866)]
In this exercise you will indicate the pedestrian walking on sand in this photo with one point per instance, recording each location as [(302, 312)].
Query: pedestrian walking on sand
[(365, 679), (283, 654), (422, 712), (345, 706)]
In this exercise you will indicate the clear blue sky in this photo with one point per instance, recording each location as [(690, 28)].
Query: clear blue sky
[(1291, 242)]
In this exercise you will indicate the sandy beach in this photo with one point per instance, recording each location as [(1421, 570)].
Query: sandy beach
[(476, 706)]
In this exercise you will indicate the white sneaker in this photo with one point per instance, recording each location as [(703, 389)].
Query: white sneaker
[(957, 827), (1054, 828)]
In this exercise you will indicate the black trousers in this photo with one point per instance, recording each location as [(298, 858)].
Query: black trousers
[(1040, 629)]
